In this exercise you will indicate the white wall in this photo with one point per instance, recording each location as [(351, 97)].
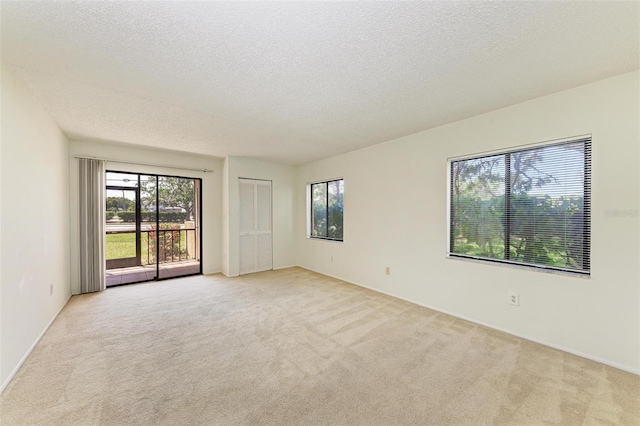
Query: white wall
[(2, 380), (396, 215), (211, 191), (283, 194), (225, 217), (34, 224)]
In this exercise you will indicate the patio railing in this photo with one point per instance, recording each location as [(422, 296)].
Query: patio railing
[(173, 245)]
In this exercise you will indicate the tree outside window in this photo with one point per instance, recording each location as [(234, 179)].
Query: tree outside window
[(527, 206), (327, 209)]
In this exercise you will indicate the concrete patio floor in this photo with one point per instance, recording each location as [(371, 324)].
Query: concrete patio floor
[(148, 272)]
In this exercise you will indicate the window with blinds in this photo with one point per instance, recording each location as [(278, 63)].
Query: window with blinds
[(527, 206)]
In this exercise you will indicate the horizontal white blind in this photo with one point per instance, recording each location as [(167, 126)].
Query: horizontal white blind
[(530, 206), (478, 217)]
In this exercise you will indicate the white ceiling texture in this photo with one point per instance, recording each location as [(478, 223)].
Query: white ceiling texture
[(294, 82)]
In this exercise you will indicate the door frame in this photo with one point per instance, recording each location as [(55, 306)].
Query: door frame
[(127, 262), (139, 214), (255, 232)]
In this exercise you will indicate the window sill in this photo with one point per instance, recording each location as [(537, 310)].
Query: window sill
[(532, 268), (331, 240)]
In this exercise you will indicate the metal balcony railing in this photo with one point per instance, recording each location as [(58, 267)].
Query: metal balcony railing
[(173, 245)]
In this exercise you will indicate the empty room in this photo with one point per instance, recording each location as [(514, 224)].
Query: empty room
[(320, 213)]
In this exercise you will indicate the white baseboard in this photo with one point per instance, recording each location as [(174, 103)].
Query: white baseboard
[(493, 327), (274, 269), (26, 355), (284, 267)]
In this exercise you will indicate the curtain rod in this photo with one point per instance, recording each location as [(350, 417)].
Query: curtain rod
[(143, 164)]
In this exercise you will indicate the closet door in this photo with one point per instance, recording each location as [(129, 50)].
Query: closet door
[(264, 253), (255, 226), (247, 226)]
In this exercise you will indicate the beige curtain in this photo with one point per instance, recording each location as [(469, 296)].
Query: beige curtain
[(92, 225)]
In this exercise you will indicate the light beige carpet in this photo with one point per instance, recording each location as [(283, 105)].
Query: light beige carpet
[(294, 347)]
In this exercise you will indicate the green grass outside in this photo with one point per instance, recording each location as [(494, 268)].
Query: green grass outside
[(555, 257), (121, 245), (124, 245)]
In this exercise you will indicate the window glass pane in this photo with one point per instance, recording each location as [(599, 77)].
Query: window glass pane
[(536, 202), (327, 209), (120, 200), (319, 210), (547, 206), (336, 190), (148, 232), (477, 207), (122, 179), (148, 197)]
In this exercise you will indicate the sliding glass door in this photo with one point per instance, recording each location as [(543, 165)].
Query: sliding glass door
[(179, 227), (153, 227)]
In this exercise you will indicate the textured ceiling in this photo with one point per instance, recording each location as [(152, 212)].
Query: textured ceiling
[(296, 82)]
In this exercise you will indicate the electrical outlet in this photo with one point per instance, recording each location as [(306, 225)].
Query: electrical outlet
[(514, 299), (387, 270), (51, 289), (331, 259)]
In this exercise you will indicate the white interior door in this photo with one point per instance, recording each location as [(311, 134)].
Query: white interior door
[(247, 226), (256, 253)]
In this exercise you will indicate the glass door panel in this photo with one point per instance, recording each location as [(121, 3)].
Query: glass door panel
[(179, 229), (122, 243), (153, 227), (121, 228), (148, 224)]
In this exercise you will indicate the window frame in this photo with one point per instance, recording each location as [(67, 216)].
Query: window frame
[(310, 209), (587, 234)]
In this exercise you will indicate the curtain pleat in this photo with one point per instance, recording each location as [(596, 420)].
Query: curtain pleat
[(92, 225)]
